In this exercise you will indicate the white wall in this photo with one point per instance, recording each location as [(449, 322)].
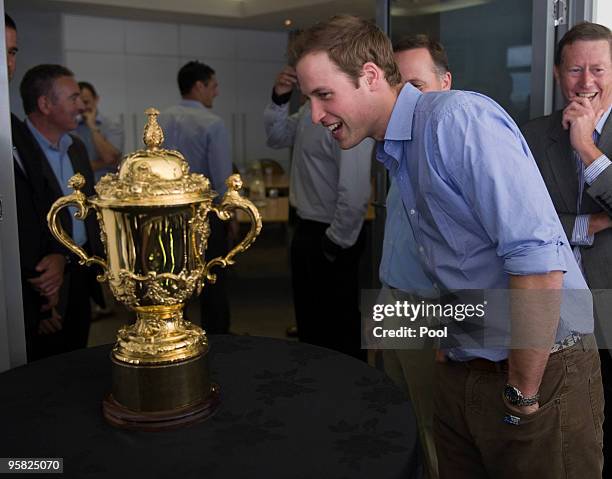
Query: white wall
[(603, 12), (134, 65)]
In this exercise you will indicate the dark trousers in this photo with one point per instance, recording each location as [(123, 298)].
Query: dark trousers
[(562, 439), (77, 318), (214, 303), (326, 294), (38, 346), (606, 376)]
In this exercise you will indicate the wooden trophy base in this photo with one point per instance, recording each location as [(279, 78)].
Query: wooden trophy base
[(160, 397)]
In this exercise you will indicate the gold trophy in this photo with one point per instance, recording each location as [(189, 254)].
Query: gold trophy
[(154, 227)]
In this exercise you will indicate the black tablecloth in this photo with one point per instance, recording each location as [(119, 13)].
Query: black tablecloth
[(289, 410)]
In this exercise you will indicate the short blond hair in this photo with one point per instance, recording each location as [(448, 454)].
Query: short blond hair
[(350, 42)]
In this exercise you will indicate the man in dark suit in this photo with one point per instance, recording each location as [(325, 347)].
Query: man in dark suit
[(41, 257), (52, 103), (572, 148)]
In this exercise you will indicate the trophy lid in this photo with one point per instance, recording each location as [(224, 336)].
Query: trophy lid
[(153, 177)]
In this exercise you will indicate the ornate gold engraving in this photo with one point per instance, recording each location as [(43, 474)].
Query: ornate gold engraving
[(154, 227)]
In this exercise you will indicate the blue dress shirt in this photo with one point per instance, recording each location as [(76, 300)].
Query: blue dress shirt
[(481, 209), (400, 267), (58, 159), (201, 137)]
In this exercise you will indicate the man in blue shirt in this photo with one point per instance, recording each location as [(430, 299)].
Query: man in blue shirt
[(482, 219), (51, 100), (200, 135)]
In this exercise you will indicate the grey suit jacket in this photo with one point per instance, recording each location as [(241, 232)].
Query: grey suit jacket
[(553, 153)]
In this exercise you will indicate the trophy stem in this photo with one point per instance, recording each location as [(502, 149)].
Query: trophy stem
[(146, 316), (160, 336)]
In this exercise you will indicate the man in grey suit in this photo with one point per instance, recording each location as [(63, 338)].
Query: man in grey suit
[(572, 148)]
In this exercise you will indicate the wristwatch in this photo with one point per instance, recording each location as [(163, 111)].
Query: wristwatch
[(515, 397)]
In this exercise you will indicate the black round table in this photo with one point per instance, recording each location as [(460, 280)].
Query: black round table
[(289, 411)]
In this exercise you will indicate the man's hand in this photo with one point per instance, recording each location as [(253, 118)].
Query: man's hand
[(52, 302), (51, 325), (599, 222), (524, 410), (51, 269), (90, 118), (285, 81), (581, 120)]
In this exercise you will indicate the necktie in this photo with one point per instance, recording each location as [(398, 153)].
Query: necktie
[(580, 172)]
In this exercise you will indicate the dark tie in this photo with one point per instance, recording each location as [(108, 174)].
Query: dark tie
[(580, 171)]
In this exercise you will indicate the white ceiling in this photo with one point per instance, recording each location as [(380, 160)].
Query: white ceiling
[(255, 14)]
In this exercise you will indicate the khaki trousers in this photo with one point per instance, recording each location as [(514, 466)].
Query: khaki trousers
[(412, 370), (563, 439)]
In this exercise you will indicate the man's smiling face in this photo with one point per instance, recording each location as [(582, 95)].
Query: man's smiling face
[(586, 71), (336, 102)]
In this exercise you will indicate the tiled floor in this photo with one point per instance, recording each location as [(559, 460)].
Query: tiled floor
[(259, 289)]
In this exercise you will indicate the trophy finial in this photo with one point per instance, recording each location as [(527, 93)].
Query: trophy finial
[(76, 182), (153, 134)]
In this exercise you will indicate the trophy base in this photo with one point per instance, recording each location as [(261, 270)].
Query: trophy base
[(121, 417), (165, 396)]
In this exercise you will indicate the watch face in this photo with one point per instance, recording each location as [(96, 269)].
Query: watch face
[(512, 395)]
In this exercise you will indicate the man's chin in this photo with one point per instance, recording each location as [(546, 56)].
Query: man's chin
[(348, 143)]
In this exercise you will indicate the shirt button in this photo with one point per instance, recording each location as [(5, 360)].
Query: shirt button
[(412, 212), (435, 285), (421, 249)]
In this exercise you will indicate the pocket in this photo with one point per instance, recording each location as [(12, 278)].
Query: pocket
[(534, 416), (597, 406)]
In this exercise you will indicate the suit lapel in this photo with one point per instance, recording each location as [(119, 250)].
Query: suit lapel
[(560, 157), (36, 158), (605, 140)]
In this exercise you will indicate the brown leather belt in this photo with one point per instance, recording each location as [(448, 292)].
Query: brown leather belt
[(481, 364)]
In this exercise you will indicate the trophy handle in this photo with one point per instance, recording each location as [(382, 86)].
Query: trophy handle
[(80, 200), (232, 200)]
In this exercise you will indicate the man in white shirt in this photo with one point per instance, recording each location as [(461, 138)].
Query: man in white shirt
[(330, 189)]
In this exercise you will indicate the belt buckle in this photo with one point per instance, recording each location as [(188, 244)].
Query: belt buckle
[(566, 342)]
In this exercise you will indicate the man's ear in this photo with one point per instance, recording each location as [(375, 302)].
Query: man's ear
[(44, 104), (447, 81), (556, 73), (372, 75)]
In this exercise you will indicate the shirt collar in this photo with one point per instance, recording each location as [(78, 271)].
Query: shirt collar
[(192, 104), (602, 121), (400, 123), (64, 142)]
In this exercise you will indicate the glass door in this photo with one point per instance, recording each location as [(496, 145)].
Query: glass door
[(489, 44)]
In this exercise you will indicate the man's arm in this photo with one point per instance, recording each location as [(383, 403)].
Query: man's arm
[(581, 120), (354, 192), (535, 312), (107, 153), (280, 127)]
